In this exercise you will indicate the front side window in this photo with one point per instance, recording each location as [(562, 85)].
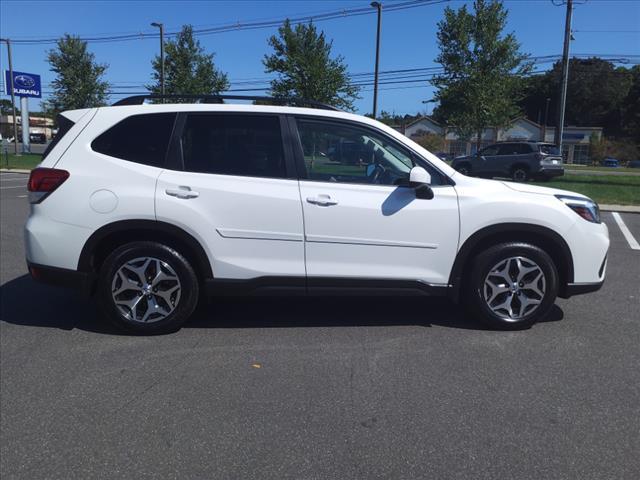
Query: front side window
[(242, 145), (349, 154), (492, 150), (139, 138)]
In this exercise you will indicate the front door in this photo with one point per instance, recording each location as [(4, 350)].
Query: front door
[(361, 218)]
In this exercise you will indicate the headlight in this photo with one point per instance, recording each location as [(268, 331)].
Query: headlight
[(585, 207)]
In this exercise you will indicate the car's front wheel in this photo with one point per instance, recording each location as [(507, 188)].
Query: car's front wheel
[(464, 169), (147, 287), (512, 286)]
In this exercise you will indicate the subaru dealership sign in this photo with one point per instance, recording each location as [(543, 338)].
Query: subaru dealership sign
[(24, 84)]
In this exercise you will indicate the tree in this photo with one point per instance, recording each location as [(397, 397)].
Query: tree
[(482, 81), (302, 59), (78, 82), (188, 70), (631, 107), (430, 141), (6, 109), (597, 94)]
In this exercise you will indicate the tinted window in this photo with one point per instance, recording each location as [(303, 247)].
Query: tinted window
[(549, 149), (492, 150), (64, 125), (513, 149), (349, 154), (244, 145), (139, 138)]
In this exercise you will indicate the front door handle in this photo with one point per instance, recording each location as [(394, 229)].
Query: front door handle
[(182, 192), (323, 200)]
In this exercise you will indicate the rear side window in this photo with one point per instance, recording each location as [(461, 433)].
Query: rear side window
[(242, 145), (64, 125), (139, 138)]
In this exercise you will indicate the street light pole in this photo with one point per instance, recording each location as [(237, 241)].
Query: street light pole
[(565, 75), (13, 97), (378, 6), (161, 27)]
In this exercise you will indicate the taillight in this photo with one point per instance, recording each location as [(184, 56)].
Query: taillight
[(43, 181)]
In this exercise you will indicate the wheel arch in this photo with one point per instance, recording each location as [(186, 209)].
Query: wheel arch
[(110, 236), (543, 237)]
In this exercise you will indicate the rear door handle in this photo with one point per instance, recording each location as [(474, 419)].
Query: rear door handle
[(323, 200), (182, 192)]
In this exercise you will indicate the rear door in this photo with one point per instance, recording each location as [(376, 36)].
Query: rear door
[(233, 188)]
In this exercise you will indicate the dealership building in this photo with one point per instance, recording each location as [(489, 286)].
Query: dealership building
[(575, 140), (36, 125)]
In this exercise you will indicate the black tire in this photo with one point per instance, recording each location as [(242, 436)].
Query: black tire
[(519, 174), (181, 273), (474, 298), (464, 169)]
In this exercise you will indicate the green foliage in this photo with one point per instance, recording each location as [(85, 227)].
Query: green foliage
[(430, 141), (188, 70), (622, 150), (598, 94), (302, 59), (482, 80), (78, 82), (5, 107)]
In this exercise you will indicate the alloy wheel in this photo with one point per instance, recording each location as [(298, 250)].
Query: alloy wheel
[(514, 288), (145, 289)]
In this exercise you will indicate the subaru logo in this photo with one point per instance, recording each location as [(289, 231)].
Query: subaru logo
[(24, 81)]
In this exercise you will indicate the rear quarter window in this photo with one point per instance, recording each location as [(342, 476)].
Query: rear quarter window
[(64, 125), (140, 138)]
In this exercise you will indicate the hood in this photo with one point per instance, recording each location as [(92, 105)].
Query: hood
[(528, 188)]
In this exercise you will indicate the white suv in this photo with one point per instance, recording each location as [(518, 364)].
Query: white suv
[(149, 207)]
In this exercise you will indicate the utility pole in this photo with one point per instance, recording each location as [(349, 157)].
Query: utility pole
[(378, 6), (161, 27), (565, 76), (546, 115), (13, 97)]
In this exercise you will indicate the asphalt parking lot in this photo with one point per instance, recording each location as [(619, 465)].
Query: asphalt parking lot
[(318, 388)]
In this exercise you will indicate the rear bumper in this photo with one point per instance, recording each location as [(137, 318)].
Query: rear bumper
[(551, 172), (62, 277), (573, 289)]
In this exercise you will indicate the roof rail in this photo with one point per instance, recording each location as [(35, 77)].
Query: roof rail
[(292, 101)]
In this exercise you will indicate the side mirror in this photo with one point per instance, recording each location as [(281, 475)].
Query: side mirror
[(419, 180), (419, 176)]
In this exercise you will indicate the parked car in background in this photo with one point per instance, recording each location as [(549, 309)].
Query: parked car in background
[(611, 162), (444, 156), (520, 161), (634, 164), (38, 138)]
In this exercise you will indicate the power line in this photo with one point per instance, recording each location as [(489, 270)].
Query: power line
[(298, 19)]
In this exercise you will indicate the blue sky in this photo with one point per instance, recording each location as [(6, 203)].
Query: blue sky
[(408, 36)]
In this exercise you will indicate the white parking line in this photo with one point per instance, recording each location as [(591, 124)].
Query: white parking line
[(17, 179), (18, 186), (633, 243)]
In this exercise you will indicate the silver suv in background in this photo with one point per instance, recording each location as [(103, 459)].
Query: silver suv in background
[(519, 161)]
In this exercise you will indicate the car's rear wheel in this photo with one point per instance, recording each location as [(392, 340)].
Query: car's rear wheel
[(520, 174), (147, 287), (512, 286)]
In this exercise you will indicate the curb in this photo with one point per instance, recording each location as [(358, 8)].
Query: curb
[(620, 208), (14, 170)]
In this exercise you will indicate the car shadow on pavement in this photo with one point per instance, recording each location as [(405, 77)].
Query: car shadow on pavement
[(26, 302)]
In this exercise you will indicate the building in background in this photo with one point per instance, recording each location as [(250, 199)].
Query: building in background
[(575, 141), (37, 125)]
